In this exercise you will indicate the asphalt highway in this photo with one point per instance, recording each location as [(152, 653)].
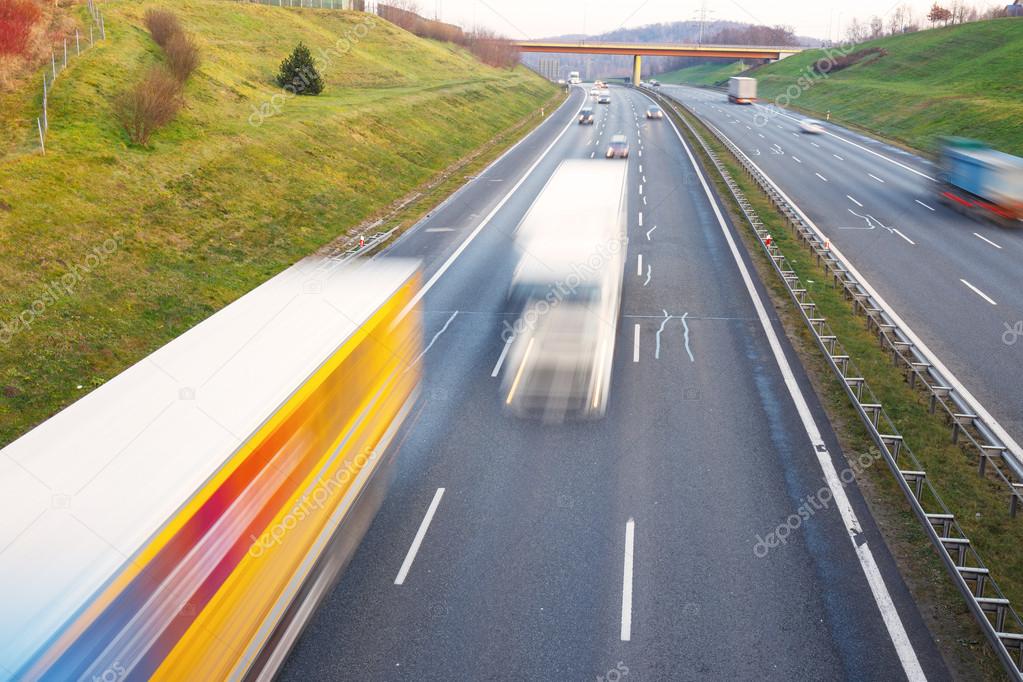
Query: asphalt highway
[(954, 279), (625, 548)]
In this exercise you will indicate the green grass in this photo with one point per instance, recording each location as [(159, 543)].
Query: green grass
[(961, 80), (703, 74), (980, 504), (216, 205)]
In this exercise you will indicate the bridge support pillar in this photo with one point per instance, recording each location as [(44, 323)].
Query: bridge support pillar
[(637, 62)]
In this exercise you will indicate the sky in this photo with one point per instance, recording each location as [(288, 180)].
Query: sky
[(522, 19)]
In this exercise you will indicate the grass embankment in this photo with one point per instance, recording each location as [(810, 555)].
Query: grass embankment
[(711, 73), (959, 80), (111, 250), (980, 504)]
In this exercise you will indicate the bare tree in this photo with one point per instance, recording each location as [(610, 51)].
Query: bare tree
[(856, 32)]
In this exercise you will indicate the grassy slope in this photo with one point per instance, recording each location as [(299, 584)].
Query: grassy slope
[(703, 74), (217, 205), (961, 80)]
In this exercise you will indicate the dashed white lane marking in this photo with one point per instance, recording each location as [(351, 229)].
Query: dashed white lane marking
[(760, 134), (644, 200), (630, 540), (592, 154), (923, 204), (644, 178), (434, 339), (838, 157), (635, 344), (649, 231), (979, 292), (640, 152), (821, 177), (439, 229), (641, 218), (899, 232), (641, 168), (981, 237), (504, 353), (796, 159), (420, 534), (639, 264), (875, 177), (816, 145), (854, 201), (641, 189)]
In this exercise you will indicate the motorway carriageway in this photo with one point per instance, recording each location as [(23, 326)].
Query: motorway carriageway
[(510, 549), (955, 280)]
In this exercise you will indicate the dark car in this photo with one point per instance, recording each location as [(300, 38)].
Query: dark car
[(619, 148), (586, 117)]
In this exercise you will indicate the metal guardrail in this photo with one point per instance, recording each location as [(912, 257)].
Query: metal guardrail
[(994, 613)]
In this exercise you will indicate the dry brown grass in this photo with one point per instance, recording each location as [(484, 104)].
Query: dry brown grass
[(162, 25)]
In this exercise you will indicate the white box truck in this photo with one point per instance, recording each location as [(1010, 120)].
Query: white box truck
[(742, 90), (566, 292), (573, 78)]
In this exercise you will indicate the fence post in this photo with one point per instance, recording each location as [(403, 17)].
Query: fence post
[(90, 35), (78, 45), (42, 144), (65, 53), (102, 27), (53, 64)]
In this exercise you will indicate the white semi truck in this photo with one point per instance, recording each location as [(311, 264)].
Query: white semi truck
[(742, 90), (566, 292), (573, 78)]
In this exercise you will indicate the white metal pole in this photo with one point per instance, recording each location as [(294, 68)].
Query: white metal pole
[(78, 45), (65, 53), (53, 64), (42, 144)]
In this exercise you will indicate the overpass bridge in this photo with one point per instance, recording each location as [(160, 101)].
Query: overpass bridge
[(638, 50)]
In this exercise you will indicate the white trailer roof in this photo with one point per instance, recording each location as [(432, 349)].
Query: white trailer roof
[(577, 212), (86, 489)]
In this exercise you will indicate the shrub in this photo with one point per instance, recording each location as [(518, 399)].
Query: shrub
[(17, 17), (299, 73), (150, 105), (162, 25), (182, 56), (826, 65)]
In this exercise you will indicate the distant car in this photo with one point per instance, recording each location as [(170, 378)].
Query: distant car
[(594, 92), (586, 117), (654, 112), (656, 84), (808, 125), (561, 81), (604, 99), (619, 148)]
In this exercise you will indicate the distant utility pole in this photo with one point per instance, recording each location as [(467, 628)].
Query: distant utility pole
[(702, 14)]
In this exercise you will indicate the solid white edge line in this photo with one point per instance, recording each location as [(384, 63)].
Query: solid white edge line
[(420, 534), (979, 292), (889, 614), (951, 379), (479, 228), (980, 236), (630, 540), (504, 353), (635, 344)]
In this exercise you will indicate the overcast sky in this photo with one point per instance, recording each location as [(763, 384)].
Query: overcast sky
[(539, 18)]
